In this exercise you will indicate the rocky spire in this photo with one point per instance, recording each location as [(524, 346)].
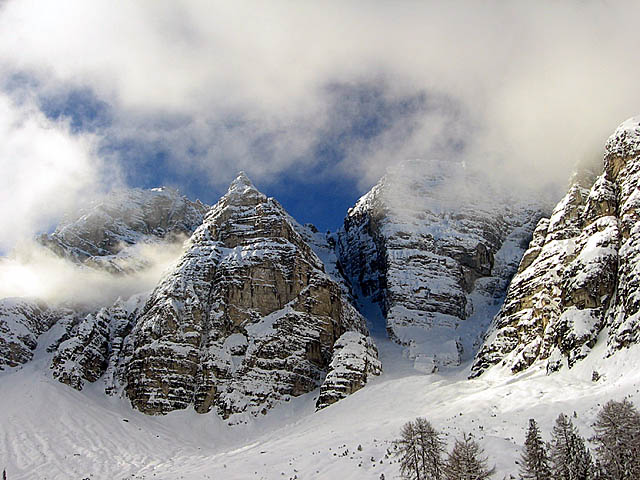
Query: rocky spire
[(247, 319)]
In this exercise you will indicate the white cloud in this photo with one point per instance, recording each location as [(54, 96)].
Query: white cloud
[(44, 171), (34, 271), (524, 89), (540, 84)]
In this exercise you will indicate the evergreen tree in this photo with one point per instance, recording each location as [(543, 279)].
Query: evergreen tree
[(569, 457), (467, 461), (534, 460), (420, 449), (617, 439)]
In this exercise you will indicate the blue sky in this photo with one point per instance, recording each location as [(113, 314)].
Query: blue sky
[(314, 100)]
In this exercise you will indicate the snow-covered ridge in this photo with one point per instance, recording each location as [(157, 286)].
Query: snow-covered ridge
[(101, 234)]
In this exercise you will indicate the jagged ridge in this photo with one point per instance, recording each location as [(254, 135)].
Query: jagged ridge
[(580, 273)]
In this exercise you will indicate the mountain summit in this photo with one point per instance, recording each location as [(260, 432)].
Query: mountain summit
[(247, 319)]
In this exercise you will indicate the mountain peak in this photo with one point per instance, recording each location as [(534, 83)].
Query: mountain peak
[(241, 183), (242, 190), (625, 141)]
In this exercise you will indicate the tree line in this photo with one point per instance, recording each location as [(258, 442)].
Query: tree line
[(616, 439)]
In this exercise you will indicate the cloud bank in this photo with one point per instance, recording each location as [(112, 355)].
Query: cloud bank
[(527, 88), (34, 271), (44, 170)]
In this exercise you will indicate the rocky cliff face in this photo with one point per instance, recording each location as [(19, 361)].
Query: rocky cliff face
[(580, 274), (22, 321), (96, 346), (247, 319), (435, 245), (102, 234)]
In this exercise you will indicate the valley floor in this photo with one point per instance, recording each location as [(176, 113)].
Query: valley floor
[(49, 431)]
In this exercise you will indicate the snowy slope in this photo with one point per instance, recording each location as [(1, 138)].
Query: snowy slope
[(53, 432)]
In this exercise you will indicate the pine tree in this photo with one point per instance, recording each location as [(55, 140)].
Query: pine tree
[(467, 461), (617, 439), (432, 448), (420, 449), (569, 456), (534, 460), (408, 450)]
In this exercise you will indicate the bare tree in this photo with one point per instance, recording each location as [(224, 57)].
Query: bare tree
[(617, 439), (432, 449), (409, 452), (421, 450)]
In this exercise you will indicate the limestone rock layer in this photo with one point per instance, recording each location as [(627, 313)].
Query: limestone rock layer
[(580, 275), (246, 320)]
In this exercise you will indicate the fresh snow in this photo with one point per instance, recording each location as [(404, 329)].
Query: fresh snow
[(50, 431)]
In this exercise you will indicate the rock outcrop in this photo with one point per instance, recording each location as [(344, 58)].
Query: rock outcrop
[(434, 244), (102, 234), (22, 321), (95, 345), (580, 273), (355, 359), (247, 319)]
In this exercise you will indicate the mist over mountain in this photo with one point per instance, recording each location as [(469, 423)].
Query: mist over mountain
[(269, 240)]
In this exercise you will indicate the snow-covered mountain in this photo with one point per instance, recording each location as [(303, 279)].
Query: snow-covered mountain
[(248, 318), (578, 283), (253, 358), (101, 235), (435, 244)]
